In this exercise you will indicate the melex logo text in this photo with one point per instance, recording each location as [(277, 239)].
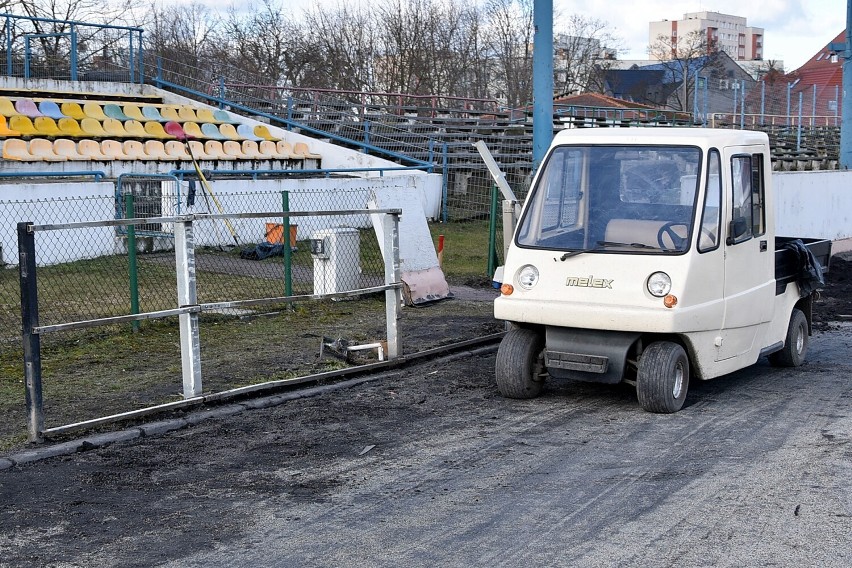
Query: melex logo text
[(590, 282)]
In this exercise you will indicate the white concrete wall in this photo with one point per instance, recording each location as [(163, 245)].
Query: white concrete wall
[(815, 204)]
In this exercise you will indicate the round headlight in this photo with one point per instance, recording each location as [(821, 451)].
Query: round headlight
[(527, 276), (659, 284)]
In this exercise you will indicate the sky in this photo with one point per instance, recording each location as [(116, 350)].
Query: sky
[(794, 30)]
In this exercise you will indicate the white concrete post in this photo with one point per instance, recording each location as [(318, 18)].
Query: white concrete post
[(393, 298), (190, 342)]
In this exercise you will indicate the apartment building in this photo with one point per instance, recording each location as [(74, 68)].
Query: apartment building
[(725, 32)]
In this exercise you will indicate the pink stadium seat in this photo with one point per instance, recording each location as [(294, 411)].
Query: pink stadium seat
[(68, 148), (46, 126), (5, 131), (174, 129), (23, 124), (156, 150), (51, 109), (216, 151), (91, 149), (17, 149), (27, 107), (113, 150)]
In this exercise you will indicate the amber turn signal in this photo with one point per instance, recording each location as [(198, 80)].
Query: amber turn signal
[(670, 301), (507, 289)]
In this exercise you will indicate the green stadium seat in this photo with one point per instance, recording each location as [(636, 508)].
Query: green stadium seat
[(51, 109), (93, 128), (17, 149), (73, 110), (151, 113), (223, 117), (23, 124), (114, 111), (5, 131), (94, 110), (27, 107), (70, 127), (68, 148), (43, 149), (46, 126), (92, 149)]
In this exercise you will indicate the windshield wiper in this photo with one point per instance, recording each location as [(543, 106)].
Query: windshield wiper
[(631, 245)]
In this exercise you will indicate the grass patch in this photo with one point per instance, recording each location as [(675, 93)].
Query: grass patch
[(465, 250)]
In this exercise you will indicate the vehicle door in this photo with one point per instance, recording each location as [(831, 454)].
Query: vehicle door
[(749, 270)]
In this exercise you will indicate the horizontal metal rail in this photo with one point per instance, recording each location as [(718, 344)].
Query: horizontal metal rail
[(326, 171), (75, 22), (98, 175), (205, 216)]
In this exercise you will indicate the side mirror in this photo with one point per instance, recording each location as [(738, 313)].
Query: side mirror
[(737, 230)]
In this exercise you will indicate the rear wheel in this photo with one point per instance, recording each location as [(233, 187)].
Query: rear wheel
[(520, 369), (663, 377), (795, 344)]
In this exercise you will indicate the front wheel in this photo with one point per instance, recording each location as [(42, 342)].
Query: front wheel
[(662, 378), (795, 343), (520, 369)]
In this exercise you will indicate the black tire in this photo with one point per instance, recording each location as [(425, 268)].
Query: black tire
[(795, 343), (520, 369), (663, 377)]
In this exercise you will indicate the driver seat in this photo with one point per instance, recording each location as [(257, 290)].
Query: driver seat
[(641, 231)]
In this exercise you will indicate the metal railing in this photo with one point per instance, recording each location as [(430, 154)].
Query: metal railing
[(189, 304)]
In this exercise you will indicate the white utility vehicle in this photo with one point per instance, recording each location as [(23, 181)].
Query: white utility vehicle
[(649, 255)]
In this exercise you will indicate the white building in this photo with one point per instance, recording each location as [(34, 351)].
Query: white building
[(731, 34)]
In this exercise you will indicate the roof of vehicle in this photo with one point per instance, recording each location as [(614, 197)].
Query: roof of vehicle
[(701, 137)]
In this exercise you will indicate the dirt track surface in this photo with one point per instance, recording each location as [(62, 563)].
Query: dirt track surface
[(428, 465)]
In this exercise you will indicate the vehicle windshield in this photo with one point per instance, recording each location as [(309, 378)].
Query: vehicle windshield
[(626, 199)]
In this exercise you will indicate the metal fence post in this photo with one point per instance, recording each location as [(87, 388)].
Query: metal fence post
[(133, 267), (190, 341), (445, 174), (285, 242), (492, 233), (31, 340), (799, 127), (393, 297)]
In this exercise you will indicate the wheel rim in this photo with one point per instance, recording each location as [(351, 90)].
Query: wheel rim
[(677, 387), (800, 339)]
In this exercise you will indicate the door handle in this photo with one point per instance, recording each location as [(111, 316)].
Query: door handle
[(763, 246)]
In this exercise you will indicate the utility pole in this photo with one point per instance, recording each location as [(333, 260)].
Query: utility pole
[(846, 123), (543, 79)]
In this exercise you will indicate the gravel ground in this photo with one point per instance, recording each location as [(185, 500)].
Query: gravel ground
[(428, 465)]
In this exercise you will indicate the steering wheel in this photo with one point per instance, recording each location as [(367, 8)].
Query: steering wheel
[(678, 242)]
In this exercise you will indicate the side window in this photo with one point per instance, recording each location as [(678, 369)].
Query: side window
[(758, 214), (708, 238), (741, 183)]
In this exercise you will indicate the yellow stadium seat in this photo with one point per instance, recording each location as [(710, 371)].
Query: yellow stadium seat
[(68, 148), (229, 132), (94, 110), (177, 150), (193, 130), (233, 148), (7, 107), (73, 110), (46, 126), (156, 150), (262, 131), (113, 127), (113, 150), (5, 130), (155, 130), (301, 149), (134, 112), (92, 149), (170, 112), (135, 129), (23, 124), (205, 115), (135, 150), (43, 149), (70, 127), (187, 114), (251, 150), (285, 150), (93, 127), (17, 149), (198, 151), (216, 151)]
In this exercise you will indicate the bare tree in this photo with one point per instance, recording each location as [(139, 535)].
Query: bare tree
[(510, 42), (187, 41), (681, 58), (581, 52)]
